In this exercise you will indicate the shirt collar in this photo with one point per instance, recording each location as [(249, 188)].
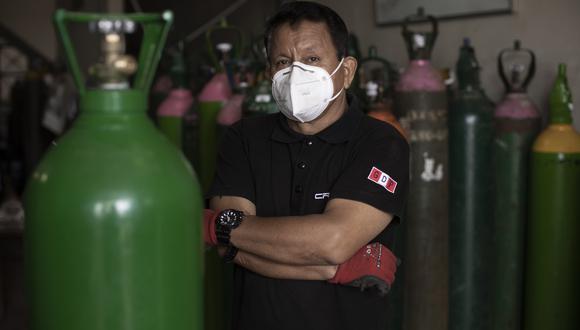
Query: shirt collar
[(340, 131)]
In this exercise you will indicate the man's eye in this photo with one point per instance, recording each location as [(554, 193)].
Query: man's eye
[(313, 59), (282, 62)]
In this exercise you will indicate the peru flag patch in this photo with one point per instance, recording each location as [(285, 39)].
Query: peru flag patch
[(382, 179)]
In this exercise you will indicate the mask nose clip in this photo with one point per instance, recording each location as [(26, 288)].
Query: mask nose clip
[(298, 65)]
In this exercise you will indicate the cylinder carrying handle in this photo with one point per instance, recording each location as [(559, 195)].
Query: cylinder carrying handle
[(421, 17), (420, 44), (210, 42), (501, 68), (155, 29)]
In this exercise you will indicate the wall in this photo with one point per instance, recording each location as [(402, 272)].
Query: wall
[(32, 21), (550, 28)]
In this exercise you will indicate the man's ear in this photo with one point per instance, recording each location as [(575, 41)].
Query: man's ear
[(349, 65)]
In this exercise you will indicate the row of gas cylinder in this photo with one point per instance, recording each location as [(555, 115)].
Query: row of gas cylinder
[(493, 219)]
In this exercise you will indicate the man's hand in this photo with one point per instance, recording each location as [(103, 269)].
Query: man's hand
[(373, 265), (209, 236)]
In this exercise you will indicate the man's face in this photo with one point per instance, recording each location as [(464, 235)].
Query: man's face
[(309, 43)]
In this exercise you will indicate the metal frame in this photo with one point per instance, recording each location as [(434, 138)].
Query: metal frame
[(446, 17)]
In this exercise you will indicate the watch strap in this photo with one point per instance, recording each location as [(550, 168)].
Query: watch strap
[(230, 254)]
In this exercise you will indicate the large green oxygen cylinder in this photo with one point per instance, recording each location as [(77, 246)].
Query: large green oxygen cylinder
[(470, 142), (552, 285), (517, 123), (421, 102), (113, 238)]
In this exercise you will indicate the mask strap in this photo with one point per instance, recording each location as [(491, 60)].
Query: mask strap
[(333, 72), (337, 67), (337, 94)]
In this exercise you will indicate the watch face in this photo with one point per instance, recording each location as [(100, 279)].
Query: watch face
[(225, 222), (227, 219)]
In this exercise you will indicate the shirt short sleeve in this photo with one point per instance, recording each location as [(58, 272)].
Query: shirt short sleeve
[(233, 176), (378, 174)]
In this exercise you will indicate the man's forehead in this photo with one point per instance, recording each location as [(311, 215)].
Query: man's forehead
[(304, 26), (310, 35)]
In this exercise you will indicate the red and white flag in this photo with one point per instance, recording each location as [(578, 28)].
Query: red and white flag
[(382, 179)]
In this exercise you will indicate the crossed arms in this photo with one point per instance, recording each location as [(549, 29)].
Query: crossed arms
[(302, 247)]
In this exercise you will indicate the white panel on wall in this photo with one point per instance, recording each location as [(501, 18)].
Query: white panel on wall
[(394, 11)]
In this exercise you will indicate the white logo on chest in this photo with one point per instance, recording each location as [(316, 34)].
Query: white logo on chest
[(323, 195)]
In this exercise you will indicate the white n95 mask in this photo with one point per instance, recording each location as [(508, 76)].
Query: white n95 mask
[(303, 91)]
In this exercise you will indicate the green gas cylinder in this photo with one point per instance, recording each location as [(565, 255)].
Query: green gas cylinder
[(228, 40), (517, 123), (171, 112), (552, 274), (470, 142), (113, 238), (260, 100), (212, 99)]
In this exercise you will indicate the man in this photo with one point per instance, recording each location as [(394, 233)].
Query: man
[(309, 194)]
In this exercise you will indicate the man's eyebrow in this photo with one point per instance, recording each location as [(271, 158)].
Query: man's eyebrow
[(307, 49), (280, 54), (311, 48)]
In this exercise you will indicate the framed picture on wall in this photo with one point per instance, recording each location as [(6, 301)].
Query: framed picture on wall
[(391, 12)]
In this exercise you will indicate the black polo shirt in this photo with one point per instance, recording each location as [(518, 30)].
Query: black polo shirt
[(286, 173)]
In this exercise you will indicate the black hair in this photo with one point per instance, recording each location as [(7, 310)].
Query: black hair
[(296, 12)]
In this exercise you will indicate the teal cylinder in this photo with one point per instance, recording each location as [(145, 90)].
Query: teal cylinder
[(517, 123), (470, 228), (511, 158)]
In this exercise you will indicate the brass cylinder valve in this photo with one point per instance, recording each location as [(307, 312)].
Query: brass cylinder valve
[(115, 67)]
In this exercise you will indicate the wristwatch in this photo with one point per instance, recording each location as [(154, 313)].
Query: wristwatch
[(225, 222)]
